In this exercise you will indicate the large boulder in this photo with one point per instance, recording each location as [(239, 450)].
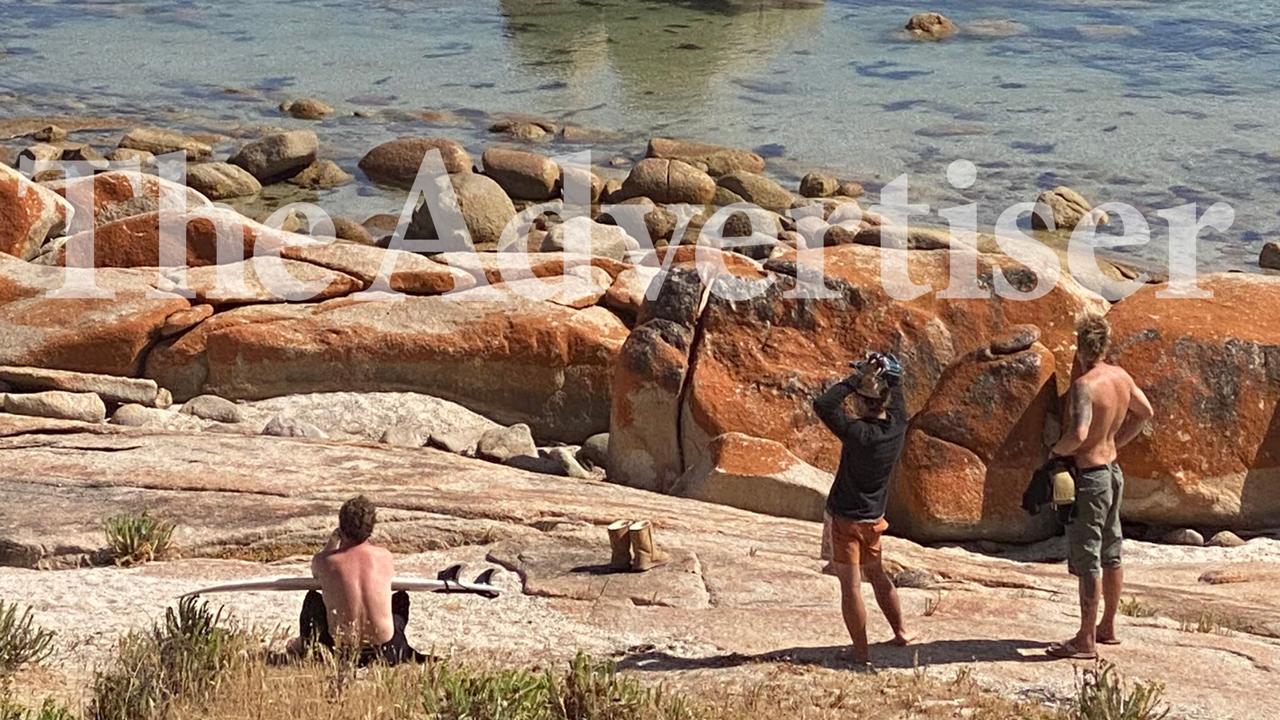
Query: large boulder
[(757, 475), (258, 280), (648, 386), (213, 235), (109, 335), (111, 196), (971, 451), (668, 181), (159, 141), (109, 388), (522, 174), (278, 156), (57, 404), (29, 214), (578, 288), (485, 209), (507, 267), (510, 359), (719, 160), (367, 416), (759, 361), (397, 162), (400, 271), (1211, 368)]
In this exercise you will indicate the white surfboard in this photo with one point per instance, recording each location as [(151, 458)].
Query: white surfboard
[(480, 586)]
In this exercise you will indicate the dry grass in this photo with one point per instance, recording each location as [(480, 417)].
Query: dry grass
[(195, 664)]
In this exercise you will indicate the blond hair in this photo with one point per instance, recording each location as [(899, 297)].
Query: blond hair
[(1093, 338)]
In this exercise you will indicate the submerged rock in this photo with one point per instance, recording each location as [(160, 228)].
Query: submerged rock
[(322, 175), (159, 141), (306, 109), (817, 185), (930, 26), (1066, 208)]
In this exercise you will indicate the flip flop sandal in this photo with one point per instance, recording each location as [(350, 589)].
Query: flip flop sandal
[(1067, 651), (1111, 641)]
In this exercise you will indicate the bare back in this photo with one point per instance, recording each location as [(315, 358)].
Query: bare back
[(356, 583), (1101, 400)]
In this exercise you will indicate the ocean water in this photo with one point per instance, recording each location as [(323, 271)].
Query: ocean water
[(1156, 104)]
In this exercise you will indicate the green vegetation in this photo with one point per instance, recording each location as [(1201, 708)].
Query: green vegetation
[(587, 690), (1102, 694), (136, 538), (22, 642), (184, 658), (1133, 607), (48, 710)]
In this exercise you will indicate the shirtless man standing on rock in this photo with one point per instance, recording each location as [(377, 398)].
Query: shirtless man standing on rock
[(1107, 410), (355, 605)]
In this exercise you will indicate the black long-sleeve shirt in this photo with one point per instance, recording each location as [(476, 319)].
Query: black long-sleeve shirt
[(869, 452)]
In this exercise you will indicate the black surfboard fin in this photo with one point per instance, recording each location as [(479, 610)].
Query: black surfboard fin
[(451, 573)]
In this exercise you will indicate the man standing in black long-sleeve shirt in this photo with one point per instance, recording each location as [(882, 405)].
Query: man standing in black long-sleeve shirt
[(871, 437)]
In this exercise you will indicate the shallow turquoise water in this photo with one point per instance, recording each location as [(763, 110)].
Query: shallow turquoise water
[(1151, 103)]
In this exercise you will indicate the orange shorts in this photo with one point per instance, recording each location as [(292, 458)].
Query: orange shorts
[(856, 543)]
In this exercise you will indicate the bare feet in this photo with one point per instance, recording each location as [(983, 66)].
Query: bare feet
[(1071, 650), (903, 639), (1107, 636)]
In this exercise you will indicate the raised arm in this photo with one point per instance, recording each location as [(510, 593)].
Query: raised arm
[(1140, 412), (829, 407), (335, 539), (1076, 432)]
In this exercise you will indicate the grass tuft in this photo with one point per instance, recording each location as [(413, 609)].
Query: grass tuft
[(184, 658), (137, 538), (1133, 607), (1209, 623), (1102, 694), (22, 642)]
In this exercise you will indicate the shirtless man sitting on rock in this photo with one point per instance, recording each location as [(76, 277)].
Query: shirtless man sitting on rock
[(1106, 411), (356, 612)]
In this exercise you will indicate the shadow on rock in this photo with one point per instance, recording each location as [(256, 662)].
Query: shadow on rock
[(837, 657)]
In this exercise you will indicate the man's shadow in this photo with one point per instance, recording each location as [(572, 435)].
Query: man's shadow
[(837, 657)]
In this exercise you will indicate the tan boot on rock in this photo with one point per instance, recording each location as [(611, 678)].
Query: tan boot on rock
[(645, 552), (620, 544)]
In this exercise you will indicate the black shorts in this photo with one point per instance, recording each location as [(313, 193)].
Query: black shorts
[(314, 630)]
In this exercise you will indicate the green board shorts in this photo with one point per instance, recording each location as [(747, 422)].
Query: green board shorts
[(1094, 537)]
